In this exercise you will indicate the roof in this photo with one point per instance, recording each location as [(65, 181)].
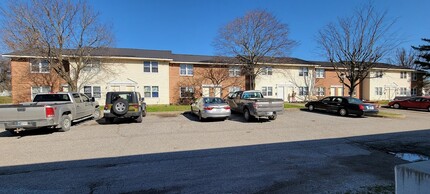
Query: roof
[(377, 65)]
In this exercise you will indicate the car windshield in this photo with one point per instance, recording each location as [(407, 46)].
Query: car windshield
[(51, 98), (125, 96), (213, 100), (354, 101)]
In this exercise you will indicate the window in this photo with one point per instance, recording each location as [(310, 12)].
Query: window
[(186, 69), (320, 91), (379, 74), (39, 89), (233, 89), (414, 91), (186, 92), (234, 71), (151, 91), (378, 91), (304, 71), (267, 91), (85, 98), (93, 91), (92, 67), (77, 98), (39, 66), (150, 66), (303, 91), (319, 73), (403, 91), (414, 76), (267, 71), (403, 75)]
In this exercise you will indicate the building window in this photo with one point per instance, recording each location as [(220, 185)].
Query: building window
[(93, 91), (414, 91), (186, 69), (39, 89), (150, 66), (94, 66), (186, 92), (320, 91), (234, 71), (151, 91), (303, 91), (267, 71), (304, 71), (267, 91), (403, 75), (39, 66), (378, 91), (233, 89), (403, 91), (379, 74), (319, 73), (414, 76)]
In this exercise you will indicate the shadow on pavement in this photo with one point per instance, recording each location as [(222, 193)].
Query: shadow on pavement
[(335, 165)]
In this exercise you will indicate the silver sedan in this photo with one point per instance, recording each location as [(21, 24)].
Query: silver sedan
[(210, 107)]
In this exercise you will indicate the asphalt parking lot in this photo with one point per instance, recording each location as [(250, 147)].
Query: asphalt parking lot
[(300, 152)]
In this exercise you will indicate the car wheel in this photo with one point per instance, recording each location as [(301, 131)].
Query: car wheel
[(247, 115), (144, 112), (109, 120), (343, 112), (311, 107), (139, 119), (273, 117), (65, 123), (96, 114), (396, 106), (120, 107), (428, 108)]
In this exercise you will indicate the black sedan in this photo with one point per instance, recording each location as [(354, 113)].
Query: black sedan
[(343, 106)]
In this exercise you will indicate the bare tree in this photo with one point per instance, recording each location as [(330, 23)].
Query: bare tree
[(354, 45), (5, 75), (406, 58), (64, 32), (253, 40), (219, 75)]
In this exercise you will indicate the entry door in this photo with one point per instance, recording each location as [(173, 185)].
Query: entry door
[(115, 88), (130, 88), (217, 92), (281, 93), (333, 91), (339, 92)]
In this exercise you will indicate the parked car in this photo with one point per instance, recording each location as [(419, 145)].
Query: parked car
[(343, 106), (413, 102), (401, 98), (253, 104), (49, 110), (210, 107), (124, 105)]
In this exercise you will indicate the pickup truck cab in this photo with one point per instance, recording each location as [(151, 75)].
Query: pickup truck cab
[(252, 104), (48, 110)]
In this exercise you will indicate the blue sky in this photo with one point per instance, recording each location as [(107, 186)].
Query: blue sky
[(189, 26)]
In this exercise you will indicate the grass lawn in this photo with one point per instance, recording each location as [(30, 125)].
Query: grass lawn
[(167, 108), (5, 99), (390, 114), (293, 105)]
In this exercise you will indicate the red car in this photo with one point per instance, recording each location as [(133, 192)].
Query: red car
[(414, 102)]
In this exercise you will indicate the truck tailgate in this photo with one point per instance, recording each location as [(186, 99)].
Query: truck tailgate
[(269, 106), (22, 112)]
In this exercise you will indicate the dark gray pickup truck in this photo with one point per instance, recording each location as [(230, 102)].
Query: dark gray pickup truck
[(252, 104), (48, 110)]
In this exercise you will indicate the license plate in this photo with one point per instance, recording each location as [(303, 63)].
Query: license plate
[(370, 107), (269, 113), (106, 111), (21, 123)]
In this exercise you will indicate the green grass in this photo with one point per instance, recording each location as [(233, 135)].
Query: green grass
[(389, 114), (167, 108), (293, 105), (5, 99)]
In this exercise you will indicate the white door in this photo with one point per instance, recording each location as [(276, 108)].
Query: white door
[(217, 92), (339, 92), (130, 88), (114, 88), (281, 93), (332, 91)]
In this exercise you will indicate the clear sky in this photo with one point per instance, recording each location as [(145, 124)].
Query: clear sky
[(189, 26)]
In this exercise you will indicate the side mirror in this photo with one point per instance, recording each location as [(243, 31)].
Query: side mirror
[(92, 99), (142, 99)]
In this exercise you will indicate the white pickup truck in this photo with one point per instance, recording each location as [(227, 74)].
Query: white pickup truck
[(48, 110)]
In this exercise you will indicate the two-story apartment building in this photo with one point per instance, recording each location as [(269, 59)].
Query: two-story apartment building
[(166, 78)]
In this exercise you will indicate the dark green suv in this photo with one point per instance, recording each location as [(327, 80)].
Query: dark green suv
[(124, 105)]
